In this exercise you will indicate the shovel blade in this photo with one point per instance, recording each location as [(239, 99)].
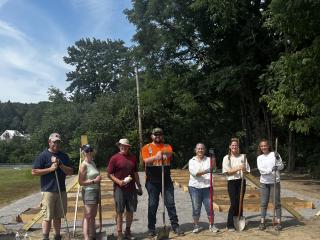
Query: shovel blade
[(163, 233), (239, 224)]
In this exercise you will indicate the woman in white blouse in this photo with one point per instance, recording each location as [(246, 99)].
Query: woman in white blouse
[(199, 185), (234, 165), (269, 163)]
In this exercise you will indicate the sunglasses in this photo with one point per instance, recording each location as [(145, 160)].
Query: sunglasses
[(158, 134), (88, 150)]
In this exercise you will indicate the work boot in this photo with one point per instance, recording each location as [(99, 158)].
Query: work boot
[(128, 235), (151, 233), (178, 231), (57, 237), (45, 236)]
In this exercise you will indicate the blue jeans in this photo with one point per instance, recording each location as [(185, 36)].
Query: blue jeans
[(199, 196), (267, 190), (154, 190)]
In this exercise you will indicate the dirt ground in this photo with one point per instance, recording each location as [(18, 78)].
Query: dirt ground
[(304, 230), (308, 230), (293, 230), (301, 183)]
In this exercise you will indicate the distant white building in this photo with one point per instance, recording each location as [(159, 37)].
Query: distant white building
[(7, 135)]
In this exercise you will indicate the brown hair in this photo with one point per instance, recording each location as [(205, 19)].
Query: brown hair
[(259, 152), (231, 141)]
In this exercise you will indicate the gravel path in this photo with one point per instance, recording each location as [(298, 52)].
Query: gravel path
[(139, 226)]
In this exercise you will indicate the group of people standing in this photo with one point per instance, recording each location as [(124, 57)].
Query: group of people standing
[(53, 166), (235, 166)]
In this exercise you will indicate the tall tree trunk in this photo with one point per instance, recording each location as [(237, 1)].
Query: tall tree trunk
[(291, 151)]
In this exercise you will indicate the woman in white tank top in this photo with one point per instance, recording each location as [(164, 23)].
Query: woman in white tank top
[(89, 179)]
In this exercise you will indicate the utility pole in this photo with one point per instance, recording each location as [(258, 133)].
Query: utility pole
[(139, 108)]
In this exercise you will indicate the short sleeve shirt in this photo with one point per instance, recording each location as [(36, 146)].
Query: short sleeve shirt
[(121, 166), (153, 170), (48, 181)]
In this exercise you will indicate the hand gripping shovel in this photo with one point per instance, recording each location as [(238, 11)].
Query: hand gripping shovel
[(240, 221), (164, 231)]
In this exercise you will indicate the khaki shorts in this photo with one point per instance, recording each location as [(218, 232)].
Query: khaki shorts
[(51, 205)]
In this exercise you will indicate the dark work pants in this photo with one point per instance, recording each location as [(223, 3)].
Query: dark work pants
[(234, 187), (154, 190)]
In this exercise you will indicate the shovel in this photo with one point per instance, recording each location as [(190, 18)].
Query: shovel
[(240, 221), (163, 232), (274, 188), (63, 211), (212, 155)]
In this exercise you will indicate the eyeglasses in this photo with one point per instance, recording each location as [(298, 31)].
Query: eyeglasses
[(88, 150), (158, 134)]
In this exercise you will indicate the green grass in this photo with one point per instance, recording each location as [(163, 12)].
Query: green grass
[(16, 184)]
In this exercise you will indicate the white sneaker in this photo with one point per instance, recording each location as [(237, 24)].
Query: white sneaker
[(213, 229), (196, 229)]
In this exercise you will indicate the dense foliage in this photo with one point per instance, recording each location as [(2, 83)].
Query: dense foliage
[(208, 70)]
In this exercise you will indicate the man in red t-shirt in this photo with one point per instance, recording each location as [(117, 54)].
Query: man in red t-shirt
[(123, 171)]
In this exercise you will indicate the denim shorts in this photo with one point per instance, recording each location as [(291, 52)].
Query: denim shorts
[(90, 196), (199, 196), (125, 200)]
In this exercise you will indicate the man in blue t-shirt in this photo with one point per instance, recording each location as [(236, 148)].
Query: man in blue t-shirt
[(45, 165)]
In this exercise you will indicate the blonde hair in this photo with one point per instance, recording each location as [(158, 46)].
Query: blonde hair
[(231, 141)]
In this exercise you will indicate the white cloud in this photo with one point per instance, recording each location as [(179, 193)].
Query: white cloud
[(26, 71), (8, 31), (29, 66), (34, 39), (99, 13)]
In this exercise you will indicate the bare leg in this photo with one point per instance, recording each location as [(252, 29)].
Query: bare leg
[(90, 211), (92, 230), (119, 223), (46, 226), (57, 225)]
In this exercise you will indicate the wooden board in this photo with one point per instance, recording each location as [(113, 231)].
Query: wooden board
[(251, 198)]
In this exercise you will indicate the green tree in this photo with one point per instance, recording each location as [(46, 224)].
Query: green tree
[(98, 67), (291, 86)]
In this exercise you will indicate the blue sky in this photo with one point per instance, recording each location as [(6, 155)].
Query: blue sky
[(35, 35)]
